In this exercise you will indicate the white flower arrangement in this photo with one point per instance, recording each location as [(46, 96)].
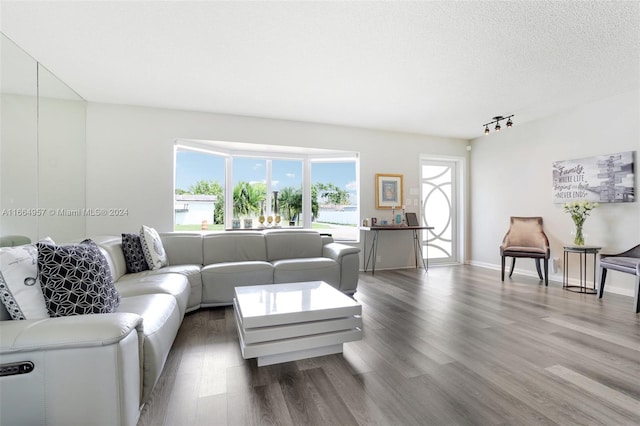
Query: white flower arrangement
[(579, 210)]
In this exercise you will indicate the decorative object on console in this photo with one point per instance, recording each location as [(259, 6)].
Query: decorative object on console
[(579, 210), (20, 289), (389, 191), (412, 219), (76, 279), (152, 247), (497, 119), (133, 253)]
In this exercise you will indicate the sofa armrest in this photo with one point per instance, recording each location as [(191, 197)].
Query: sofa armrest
[(66, 332), (86, 370), (348, 258), (337, 251)]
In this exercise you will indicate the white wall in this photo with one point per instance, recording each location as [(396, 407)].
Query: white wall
[(130, 161), (511, 175)]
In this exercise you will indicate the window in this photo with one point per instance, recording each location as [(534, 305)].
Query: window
[(301, 187), (199, 191)]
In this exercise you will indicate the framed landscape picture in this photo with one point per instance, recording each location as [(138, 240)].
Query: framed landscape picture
[(389, 191)]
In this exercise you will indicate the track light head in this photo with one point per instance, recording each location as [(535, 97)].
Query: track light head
[(498, 127), (486, 130), (509, 122)]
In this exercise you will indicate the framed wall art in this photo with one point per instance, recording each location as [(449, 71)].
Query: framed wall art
[(604, 178), (389, 191)]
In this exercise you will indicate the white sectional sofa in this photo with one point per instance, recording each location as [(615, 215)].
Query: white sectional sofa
[(101, 368)]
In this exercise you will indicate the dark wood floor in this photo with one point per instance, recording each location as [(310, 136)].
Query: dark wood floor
[(454, 346)]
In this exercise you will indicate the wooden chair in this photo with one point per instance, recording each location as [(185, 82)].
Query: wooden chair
[(526, 238), (627, 262)]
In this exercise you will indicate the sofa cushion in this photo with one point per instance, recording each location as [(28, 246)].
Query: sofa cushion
[(219, 280), (76, 279), (191, 272), (233, 246), (152, 248), (308, 269), (182, 248), (20, 289), (174, 284), (133, 253), (161, 321), (112, 248), (287, 244)]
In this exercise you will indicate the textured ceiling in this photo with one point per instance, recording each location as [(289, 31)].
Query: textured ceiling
[(439, 68)]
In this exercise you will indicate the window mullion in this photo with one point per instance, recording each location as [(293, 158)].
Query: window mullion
[(306, 193)]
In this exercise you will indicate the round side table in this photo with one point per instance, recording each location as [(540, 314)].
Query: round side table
[(582, 252)]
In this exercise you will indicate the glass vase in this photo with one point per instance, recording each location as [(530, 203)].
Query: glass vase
[(578, 238)]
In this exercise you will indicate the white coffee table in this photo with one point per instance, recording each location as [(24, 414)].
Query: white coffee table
[(287, 322)]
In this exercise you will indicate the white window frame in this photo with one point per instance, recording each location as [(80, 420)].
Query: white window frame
[(230, 150)]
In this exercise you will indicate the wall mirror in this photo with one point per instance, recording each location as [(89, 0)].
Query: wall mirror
[(42, 151)]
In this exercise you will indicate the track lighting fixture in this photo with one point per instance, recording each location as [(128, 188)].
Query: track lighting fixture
[(497, 120)]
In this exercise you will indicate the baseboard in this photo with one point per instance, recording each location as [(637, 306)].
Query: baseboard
[(555, 278)]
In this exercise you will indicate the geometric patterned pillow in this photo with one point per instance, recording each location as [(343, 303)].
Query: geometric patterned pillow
[(152, 248), (133, 254), (76, 279)]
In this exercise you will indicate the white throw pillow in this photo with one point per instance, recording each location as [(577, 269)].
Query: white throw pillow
[(20, 288), (152, 247)]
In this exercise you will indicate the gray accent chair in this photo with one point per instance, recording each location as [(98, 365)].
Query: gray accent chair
[(526, 238), (627, 262)]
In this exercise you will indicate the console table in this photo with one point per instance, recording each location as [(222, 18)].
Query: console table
[(582, 251), (373, 249)]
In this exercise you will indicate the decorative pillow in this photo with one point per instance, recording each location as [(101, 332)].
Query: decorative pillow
[(20, 290), (76, 279), (152, 248), (133, 254)]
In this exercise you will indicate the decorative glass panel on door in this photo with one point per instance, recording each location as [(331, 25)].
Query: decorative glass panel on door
[(438, 192)]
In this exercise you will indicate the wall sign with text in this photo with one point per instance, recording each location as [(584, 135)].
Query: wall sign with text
[(603, 179)]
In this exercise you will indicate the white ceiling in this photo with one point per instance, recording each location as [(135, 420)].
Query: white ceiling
[(432, 67)]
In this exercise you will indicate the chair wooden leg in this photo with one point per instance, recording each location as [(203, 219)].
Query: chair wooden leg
[(513, 266), (502, 269), (538, 268), (546, 272), (603, 277)]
